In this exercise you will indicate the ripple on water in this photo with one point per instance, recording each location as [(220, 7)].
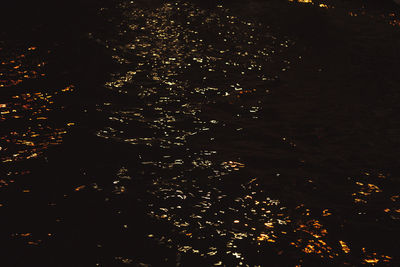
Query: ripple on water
[(189, 91), (194, 79)]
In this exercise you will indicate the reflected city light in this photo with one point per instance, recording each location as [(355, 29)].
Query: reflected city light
[(185, 150)]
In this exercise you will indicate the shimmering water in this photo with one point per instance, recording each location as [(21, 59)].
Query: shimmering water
[(197, 135)]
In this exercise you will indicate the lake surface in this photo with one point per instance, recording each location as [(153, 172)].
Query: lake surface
[(152, 133)]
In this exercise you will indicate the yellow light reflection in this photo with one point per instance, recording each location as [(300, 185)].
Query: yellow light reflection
[(29, 111), (345, 248)]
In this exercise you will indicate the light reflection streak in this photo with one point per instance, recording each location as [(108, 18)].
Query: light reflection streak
[(321, 5), (14, 68), (177, 60), (25, 115), (180, 69), (31, 109), (192, 75)]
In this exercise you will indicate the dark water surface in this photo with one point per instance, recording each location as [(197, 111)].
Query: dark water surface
[(151, 133)]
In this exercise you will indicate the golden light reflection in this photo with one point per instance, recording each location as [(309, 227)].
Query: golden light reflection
[(28, 239), (27, 114), (326, 212), (374, 258), (392, 19), (176, 64), (345, 248), (365, 191), (301, 1), (321, 5), (317, 243), (232, 165), (4, 183), (180, 60), (265, 237), (14, 69), (79, 188)]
